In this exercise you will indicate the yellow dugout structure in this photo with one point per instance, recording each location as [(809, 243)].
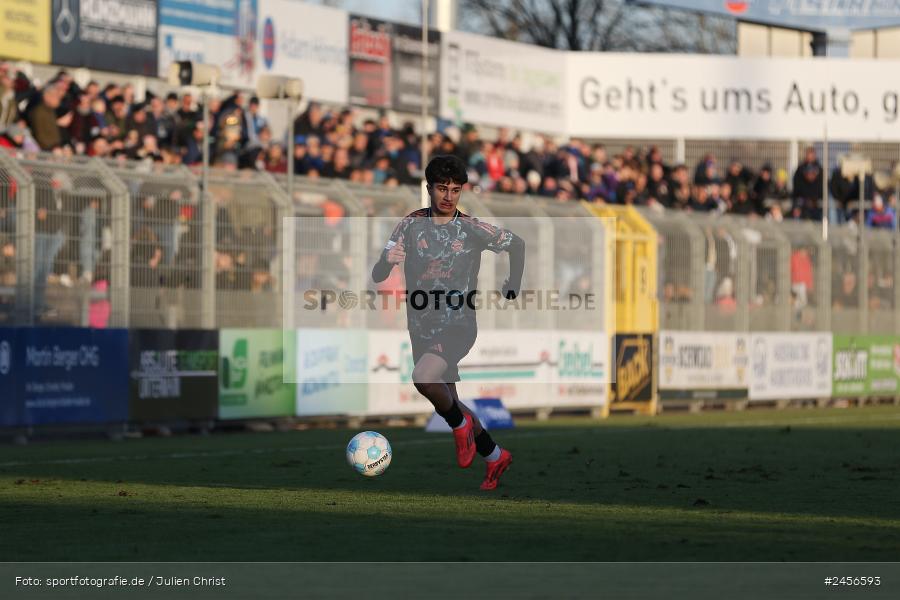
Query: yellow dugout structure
[(637, 310)]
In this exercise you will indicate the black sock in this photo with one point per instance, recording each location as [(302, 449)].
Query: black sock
[(484, 443), (454, 416)]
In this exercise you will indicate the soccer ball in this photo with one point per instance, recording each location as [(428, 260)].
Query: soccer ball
[(369, 453)]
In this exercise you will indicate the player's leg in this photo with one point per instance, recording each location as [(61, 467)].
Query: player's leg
[(476, 424), (428, 377), (498, 459)]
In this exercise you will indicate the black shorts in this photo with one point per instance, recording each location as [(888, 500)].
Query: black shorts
[(451, 344)]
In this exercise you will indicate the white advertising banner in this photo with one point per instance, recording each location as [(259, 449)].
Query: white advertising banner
[(390, 365), (331, 371), (486, 80), (790, 365), (702, 364), (670, 95), (525, 369), (298, 39), (217, 32)]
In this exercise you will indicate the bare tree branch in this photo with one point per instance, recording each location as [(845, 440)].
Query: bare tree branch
[(609, 25)]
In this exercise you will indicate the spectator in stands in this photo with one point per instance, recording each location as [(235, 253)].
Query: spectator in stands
[(9, 110), (737, 175), (162, 122), (256, 122), (707, 170), (658, 189), (701, 200), (48, 235), (276, 161), (802, 282), (193, 151), (844, 294), (117, 118), (310, 122), (881, 216), (807, 189), (725, 301), (762, 194), (44, 122), (742, 204), (13, 136)]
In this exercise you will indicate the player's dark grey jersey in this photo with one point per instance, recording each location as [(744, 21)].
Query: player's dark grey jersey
[(442, 264)]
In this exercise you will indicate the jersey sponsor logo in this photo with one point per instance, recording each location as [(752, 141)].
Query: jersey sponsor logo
[(456, 246), (422, 245), (434, 271)]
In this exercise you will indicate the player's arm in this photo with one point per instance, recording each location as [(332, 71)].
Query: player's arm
[(394, 253), (499, 240), (516, 251)]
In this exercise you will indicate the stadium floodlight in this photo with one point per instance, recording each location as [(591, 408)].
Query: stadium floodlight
[(185, 72), (277, 87)]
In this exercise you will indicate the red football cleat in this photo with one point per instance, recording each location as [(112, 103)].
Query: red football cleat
[(465, 442), (495, 470)]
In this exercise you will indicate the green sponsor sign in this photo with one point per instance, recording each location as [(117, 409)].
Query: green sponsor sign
[(251, 374), (866, 365)]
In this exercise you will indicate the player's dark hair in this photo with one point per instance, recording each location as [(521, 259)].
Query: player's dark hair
[(446, 169)]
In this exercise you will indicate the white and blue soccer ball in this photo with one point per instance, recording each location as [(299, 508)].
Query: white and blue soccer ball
[(369, 453)]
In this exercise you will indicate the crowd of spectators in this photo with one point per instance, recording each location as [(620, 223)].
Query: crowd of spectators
[(107, 121)]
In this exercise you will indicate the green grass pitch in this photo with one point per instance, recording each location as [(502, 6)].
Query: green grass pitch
[(799, 485)]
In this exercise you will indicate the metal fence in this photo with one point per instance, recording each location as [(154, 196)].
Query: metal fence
[(90, 243)]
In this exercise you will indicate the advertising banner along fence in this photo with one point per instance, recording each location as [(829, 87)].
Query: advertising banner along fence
[(703, 365), (331, 371), (251, 374), (174, 374), (525, 369), (107, 35), (67, 375), (866, 365), (790, 365)]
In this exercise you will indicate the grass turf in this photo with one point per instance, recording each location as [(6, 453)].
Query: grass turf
[(811, 485)]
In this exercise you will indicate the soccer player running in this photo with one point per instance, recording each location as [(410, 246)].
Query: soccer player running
[(440, 250)]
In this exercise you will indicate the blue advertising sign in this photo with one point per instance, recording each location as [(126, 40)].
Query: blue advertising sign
[(807, 15), (9, 408), (69, 375), (490, 411)]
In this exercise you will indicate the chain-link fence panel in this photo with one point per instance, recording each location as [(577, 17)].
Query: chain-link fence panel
[(880, 297), (768, 257), (846, 286), (249, 208), (810, 273), (523, 217), (726, 275), (16, 242), (75, 248), (166, 251), (682, 281)]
